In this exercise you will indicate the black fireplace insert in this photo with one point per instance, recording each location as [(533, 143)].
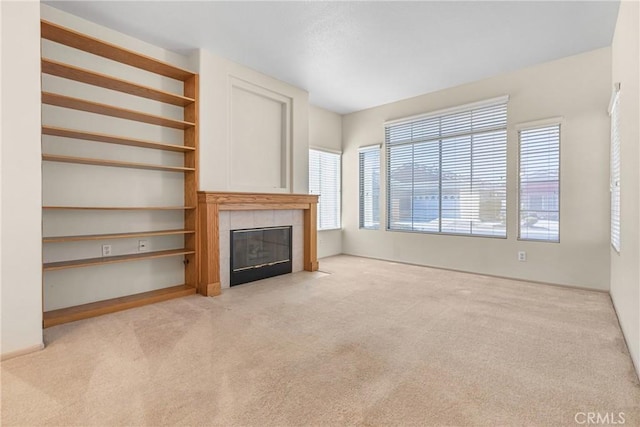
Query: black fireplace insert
[(258, 253)]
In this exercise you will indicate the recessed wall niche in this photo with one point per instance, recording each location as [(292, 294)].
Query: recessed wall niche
[(260, 149)]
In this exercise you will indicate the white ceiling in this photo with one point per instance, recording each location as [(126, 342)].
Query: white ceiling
[(355, 55)]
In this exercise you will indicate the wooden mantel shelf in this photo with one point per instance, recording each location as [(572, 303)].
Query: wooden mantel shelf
[(211, 203), (256, 201)]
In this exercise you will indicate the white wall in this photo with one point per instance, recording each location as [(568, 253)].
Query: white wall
[(86, 185), (625, 266), (240, 148), (576, 88), (325, 131), (21, 273)]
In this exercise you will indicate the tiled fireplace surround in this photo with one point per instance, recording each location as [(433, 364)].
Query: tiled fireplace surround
[(235, 220), (218, 213)]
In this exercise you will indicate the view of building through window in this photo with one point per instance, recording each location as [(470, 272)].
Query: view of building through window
[(540, 183), (447, 173)]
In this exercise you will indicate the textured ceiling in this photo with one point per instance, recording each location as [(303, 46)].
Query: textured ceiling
[(355, 55)]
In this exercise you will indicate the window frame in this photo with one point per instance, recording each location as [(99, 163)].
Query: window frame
[(469, 107), (327, 151), (614, 184), (377, 149), (538, 124)]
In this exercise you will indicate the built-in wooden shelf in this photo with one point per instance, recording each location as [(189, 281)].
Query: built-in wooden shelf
[(60, 239), (82, 75), (113, 163), (121, 208), (112, 139), (85, 311), (89, 262), (68, 37), (185, 98), (109, 110)]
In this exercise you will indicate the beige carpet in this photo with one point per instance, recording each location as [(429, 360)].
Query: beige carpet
[(370, 343)]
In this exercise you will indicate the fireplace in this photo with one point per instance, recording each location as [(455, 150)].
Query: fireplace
[(258, 253), (216, 212)]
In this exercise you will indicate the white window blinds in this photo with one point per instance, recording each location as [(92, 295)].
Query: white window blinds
[(539, 183), (446, 172), (324, 180), (614, 111), (369, 179)]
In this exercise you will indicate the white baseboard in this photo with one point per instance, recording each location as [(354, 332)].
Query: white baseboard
[(22, 352)]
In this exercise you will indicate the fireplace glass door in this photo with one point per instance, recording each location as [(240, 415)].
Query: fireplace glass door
[(260, 253)]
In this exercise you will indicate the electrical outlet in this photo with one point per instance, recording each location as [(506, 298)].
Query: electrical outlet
[(522, 256), (106, 250), (143, 246)]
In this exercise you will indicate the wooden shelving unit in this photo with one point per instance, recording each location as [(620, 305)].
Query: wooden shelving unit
[(110, 139), (77, 40), (77, 238), (70, 72), (109, 110), (120, 208), (188, 100), (113, 163), (88, 262), (79, 312)]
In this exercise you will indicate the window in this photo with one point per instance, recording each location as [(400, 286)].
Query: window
[(446, 171), (539, 184), (324, 179), (614, 111), (369, 178)]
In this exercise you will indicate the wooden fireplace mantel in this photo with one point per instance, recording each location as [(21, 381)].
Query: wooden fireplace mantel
[(211, 203)]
